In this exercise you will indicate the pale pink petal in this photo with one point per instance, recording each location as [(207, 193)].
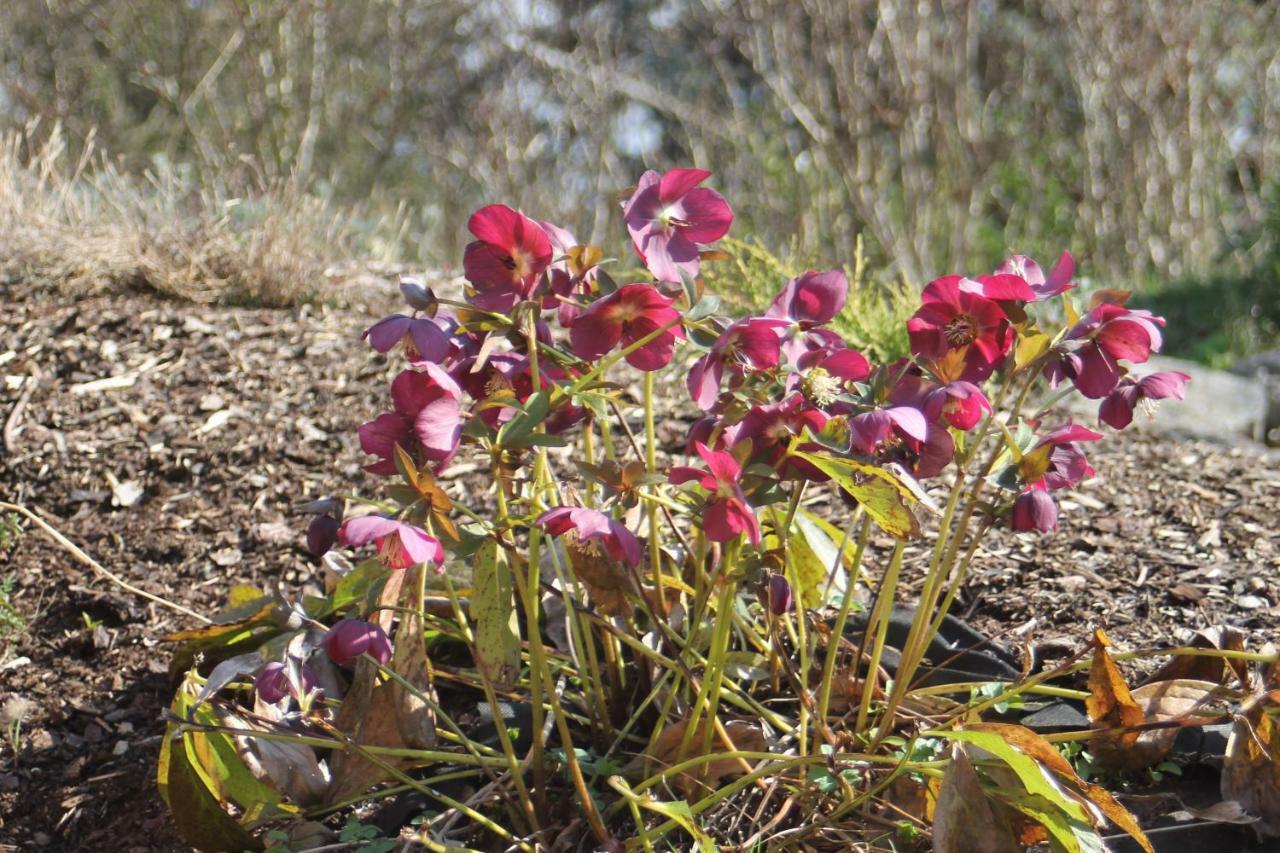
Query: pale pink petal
[(363, 530)]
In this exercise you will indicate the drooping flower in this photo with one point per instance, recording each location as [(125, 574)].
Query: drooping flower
[(963, 334), (428, 410), (1045, 287), (351, 638), (423, 338), (775, 595), (273, 684), (727, 513), (751, 342), (1092, 348), (322, 534), (669, 216), (629, 314), (1056, 461), (807, 302), (571, 273), (1117, 409), (961, 404), (869, 429), (400, 545), (1034, 509), (505, 260), (770, 428), (619, 542)]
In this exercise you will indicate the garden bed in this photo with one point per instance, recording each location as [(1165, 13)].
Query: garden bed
[(183, 470)]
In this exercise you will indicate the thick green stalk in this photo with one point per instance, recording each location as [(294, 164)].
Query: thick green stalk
[(879, 623), (842, 619)]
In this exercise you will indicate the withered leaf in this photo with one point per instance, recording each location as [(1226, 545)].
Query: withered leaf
[(964, 820), (1205, 667), (1111, 706), (604, 578), (1251, 769), (746, 736)]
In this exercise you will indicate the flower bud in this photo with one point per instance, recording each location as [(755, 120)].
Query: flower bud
[(351, 638), (776, 596), (272, 683), (322, 534), (1035, 510), (419, 297)]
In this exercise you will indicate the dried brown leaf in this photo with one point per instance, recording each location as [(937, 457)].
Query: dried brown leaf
[(665, 752), (605, 579), (1251, 769), (965, 821), (1204, 667), (1110, 705)]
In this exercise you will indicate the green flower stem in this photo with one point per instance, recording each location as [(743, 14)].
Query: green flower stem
[(651, 467), (879, 624), (842, 619)]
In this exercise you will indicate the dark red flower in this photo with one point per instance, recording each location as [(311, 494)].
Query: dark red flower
[(504, 261), (963, 334), (775, 595), (1045, 287), (620, 543), (273, 683), (727, 513), (322, 534), (1056, 461), (629, 314), (428, 414), (1093, 347), (1034, 509)]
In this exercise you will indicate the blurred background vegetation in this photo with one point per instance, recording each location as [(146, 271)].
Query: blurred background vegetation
[(1144, 135)]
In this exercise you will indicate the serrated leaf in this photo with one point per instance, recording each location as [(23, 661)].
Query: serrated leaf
[(497, 631)]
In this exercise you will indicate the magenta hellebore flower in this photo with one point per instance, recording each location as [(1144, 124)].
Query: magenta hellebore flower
[(751, 342), (1045, 286), (350, 638), (770, 429), (427, 408), (322, 534), (870, 428), (504, 261), (272, 682), (629, 314), (1117, 409), (1034, 509), (1056, 461), (806, 302), (962, 404), (965, 334), (620, 543), (668, 216), (400, 545), (1105, 335), (727, 514), (422, 337)]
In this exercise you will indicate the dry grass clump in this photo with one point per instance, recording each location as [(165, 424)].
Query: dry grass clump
[(85, 226)]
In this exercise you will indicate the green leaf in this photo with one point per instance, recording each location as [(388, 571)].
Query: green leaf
[(812, 556), (197, 814), (1065, 833), (515, 432), (361, 584), (678, 811), (706, 306), (884, 497), (497, 631)]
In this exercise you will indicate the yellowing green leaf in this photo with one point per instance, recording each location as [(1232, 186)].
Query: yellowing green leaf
[(497, 632), (885, 498), (1029, 348)]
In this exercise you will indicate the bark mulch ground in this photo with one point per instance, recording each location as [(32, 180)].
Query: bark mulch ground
[(173, 443)]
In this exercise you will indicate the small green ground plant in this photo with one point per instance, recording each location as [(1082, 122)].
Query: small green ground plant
[(608, 642)]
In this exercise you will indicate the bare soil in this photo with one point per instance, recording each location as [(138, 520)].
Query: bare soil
[(184, 475)]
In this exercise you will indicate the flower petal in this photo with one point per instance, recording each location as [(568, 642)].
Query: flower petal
[(363, 530)]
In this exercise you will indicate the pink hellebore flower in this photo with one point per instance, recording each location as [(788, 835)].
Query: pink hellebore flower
[(565, 280), (770, 429), (668, 216), (630, 313), (1105, 335), (1034, 509), (748, 343), (727, 514), (350, 638), (965, 335), (428, 408), (1046, 287), (808, 301), (423, 338), (620, 543), (504, 261), (1117, 409), (400, 545)]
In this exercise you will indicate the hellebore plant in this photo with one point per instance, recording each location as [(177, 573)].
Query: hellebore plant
[(694, 619)]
